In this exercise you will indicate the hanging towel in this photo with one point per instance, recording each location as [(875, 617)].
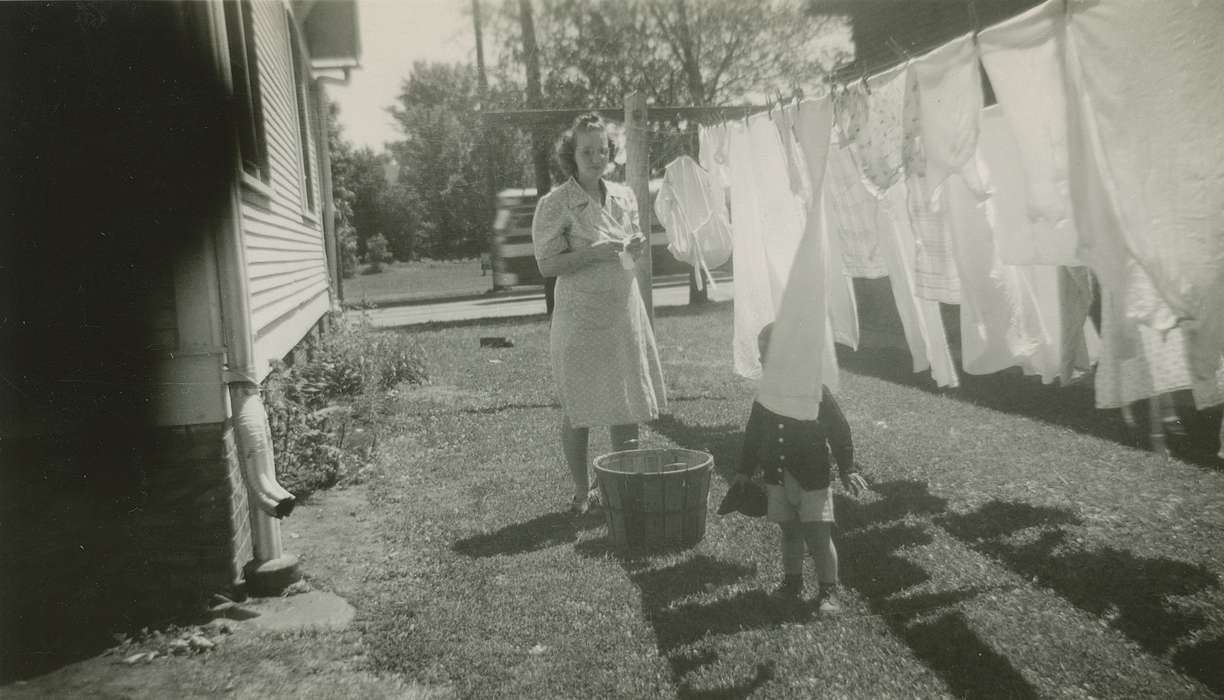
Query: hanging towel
[(1153, 80), (801, 357), (1024, 58), (714, 156), (697, 231)]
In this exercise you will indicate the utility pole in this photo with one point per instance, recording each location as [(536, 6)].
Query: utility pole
[(486, 144), (539, 134)]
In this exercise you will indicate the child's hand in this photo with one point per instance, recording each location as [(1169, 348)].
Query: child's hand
[(854, 483)]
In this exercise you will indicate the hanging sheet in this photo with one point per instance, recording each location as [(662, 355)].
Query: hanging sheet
[(767, 225), (1063, 295), (811, 121), (801, 357), (1024, 59), (1153, 86)]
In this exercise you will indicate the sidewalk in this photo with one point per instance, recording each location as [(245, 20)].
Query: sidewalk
[(424, 297)]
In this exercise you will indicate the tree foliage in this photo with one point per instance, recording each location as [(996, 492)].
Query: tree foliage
[(679, 52), (448, 162)]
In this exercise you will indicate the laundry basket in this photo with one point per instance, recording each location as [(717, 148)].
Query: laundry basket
[(655, 498)]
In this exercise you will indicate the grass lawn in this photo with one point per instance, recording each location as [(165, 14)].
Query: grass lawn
[(1014, 545), (422, 279)]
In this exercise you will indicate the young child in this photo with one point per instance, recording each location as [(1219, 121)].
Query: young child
[(794, 458)]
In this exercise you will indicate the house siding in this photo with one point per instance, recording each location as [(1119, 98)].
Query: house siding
[(284, 240)]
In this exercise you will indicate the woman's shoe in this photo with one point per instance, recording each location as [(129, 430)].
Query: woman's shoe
[(580, 505), (594, 500)]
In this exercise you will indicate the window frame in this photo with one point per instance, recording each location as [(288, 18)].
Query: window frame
[(301, 92), (247, 96)]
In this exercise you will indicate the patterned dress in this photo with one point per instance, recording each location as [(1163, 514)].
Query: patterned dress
[(604, 360)]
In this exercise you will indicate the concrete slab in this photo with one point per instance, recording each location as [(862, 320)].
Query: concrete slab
[(310, 610)]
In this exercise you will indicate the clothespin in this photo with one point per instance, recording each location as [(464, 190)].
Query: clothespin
[(973, 20)]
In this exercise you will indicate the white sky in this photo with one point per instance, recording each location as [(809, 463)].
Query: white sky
[(394, 33)]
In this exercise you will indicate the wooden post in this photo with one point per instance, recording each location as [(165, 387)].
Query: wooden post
[(637, 176)]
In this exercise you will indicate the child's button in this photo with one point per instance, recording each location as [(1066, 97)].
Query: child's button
[(780, 426), (780, 440)]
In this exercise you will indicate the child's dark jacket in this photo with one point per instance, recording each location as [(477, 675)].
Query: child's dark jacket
[(774, 442)]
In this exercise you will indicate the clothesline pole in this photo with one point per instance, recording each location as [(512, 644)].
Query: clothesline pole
[(637, 176)]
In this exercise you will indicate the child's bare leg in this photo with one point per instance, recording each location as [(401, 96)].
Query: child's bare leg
[(792, 548), (819, 538)]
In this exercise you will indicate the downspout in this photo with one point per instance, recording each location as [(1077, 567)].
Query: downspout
[(331, 245), (271, 569)]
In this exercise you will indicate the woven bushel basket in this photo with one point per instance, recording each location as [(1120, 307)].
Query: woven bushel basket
[(655, 498)]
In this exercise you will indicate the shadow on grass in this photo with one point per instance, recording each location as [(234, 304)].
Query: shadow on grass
[(1073, 407), (546, 531), (874, 534), (723, 442), (679, 626), (1129, 591)]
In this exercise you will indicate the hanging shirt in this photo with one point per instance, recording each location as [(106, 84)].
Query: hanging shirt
[(1023, 57), (1153, 91), (697, 231)]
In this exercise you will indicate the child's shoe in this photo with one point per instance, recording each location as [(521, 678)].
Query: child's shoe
[(791, 589), (826, 601)]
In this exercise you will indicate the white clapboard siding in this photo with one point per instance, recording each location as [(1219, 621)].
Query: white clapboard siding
[(286, 262)]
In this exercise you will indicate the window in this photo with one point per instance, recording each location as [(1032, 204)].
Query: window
[(301, 89), (248, 105)]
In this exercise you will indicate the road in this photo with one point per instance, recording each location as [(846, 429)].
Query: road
[(510, 305)]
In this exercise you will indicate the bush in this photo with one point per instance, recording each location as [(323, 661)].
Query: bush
[(377, 253), (312, 406)]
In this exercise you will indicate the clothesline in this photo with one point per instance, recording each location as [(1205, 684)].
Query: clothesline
[(928, 208)]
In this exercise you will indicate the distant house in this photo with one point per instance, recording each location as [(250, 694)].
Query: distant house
[(171, 237)]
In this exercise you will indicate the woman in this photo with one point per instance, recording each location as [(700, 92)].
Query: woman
[(604, 360)]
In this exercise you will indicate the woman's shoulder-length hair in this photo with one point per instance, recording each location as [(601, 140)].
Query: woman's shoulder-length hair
[(590, 121)]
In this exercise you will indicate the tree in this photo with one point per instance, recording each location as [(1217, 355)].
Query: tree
[(444, 166), (678, 52)]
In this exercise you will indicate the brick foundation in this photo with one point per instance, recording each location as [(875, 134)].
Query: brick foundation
[(111, 532)]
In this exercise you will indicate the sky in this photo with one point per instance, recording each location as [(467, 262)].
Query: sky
[(394, 33)]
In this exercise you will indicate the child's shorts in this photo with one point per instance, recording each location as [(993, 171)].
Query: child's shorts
[(789, 501)]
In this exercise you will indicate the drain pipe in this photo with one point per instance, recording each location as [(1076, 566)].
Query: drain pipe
[(271, 570)]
